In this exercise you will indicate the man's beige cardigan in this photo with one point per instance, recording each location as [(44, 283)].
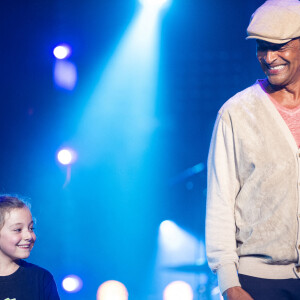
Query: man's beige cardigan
[(253, 192)]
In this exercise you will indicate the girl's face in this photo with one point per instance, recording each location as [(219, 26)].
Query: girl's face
[(16, 236)]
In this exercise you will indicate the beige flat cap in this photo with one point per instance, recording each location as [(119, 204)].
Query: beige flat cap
[(276, 21)]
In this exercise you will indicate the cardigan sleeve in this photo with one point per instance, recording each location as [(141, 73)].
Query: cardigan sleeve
[(222, 189)]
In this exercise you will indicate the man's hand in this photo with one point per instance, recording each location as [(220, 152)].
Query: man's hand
[(236, 293)]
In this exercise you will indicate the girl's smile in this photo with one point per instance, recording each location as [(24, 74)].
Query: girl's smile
[(17, 236)]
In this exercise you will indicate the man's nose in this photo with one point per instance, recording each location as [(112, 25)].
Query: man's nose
[(270, 56)]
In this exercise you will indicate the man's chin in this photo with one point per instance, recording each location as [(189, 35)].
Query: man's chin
[(276, 82)]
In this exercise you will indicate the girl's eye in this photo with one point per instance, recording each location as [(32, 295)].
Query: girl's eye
[(32, 229), (18, 230)]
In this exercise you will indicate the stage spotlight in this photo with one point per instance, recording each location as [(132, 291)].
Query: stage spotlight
[(72, 284), (172, 237), (62, 51), (65, 74), (66, 156), (112, 290), (126, 94), (170, 234), (154, 3), (178, 290), (167, 226), (178, 246)]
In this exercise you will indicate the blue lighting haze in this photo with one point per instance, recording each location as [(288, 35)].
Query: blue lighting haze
[(121, 112)]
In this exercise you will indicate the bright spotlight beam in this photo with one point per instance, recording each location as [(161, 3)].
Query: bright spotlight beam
[(178, 246), (155, 4), (123, 103)]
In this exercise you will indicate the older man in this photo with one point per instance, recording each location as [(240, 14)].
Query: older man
[(253, 211)]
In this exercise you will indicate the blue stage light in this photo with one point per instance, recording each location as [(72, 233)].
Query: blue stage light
[(65, 74), (112, 290), (126, 94), (178, 290), (179, 255), (72, 284), (66, 156), (177, 246), (62, 51), (156, 4), (167, 227)]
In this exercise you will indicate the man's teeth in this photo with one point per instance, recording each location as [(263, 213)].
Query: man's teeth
[(277, 67)]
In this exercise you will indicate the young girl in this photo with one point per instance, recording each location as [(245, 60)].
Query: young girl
[(20, 280)]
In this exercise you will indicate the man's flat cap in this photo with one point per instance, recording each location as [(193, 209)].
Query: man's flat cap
[(276, 21)]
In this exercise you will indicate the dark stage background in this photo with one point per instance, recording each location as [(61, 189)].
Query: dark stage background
[(103, 224)]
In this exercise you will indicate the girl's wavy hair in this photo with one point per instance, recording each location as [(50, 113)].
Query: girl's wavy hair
[(9, 202)]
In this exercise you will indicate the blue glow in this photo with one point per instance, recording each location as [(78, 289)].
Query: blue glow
[(171, 236), (65, 74), (178, 290), (180, 256), (215, 291), (112, 290), (167, 227), (187, 173), (121, 112), (177, 246), (62, 51), (154, 4), (203, 279), (66, 156), (72, 284)]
